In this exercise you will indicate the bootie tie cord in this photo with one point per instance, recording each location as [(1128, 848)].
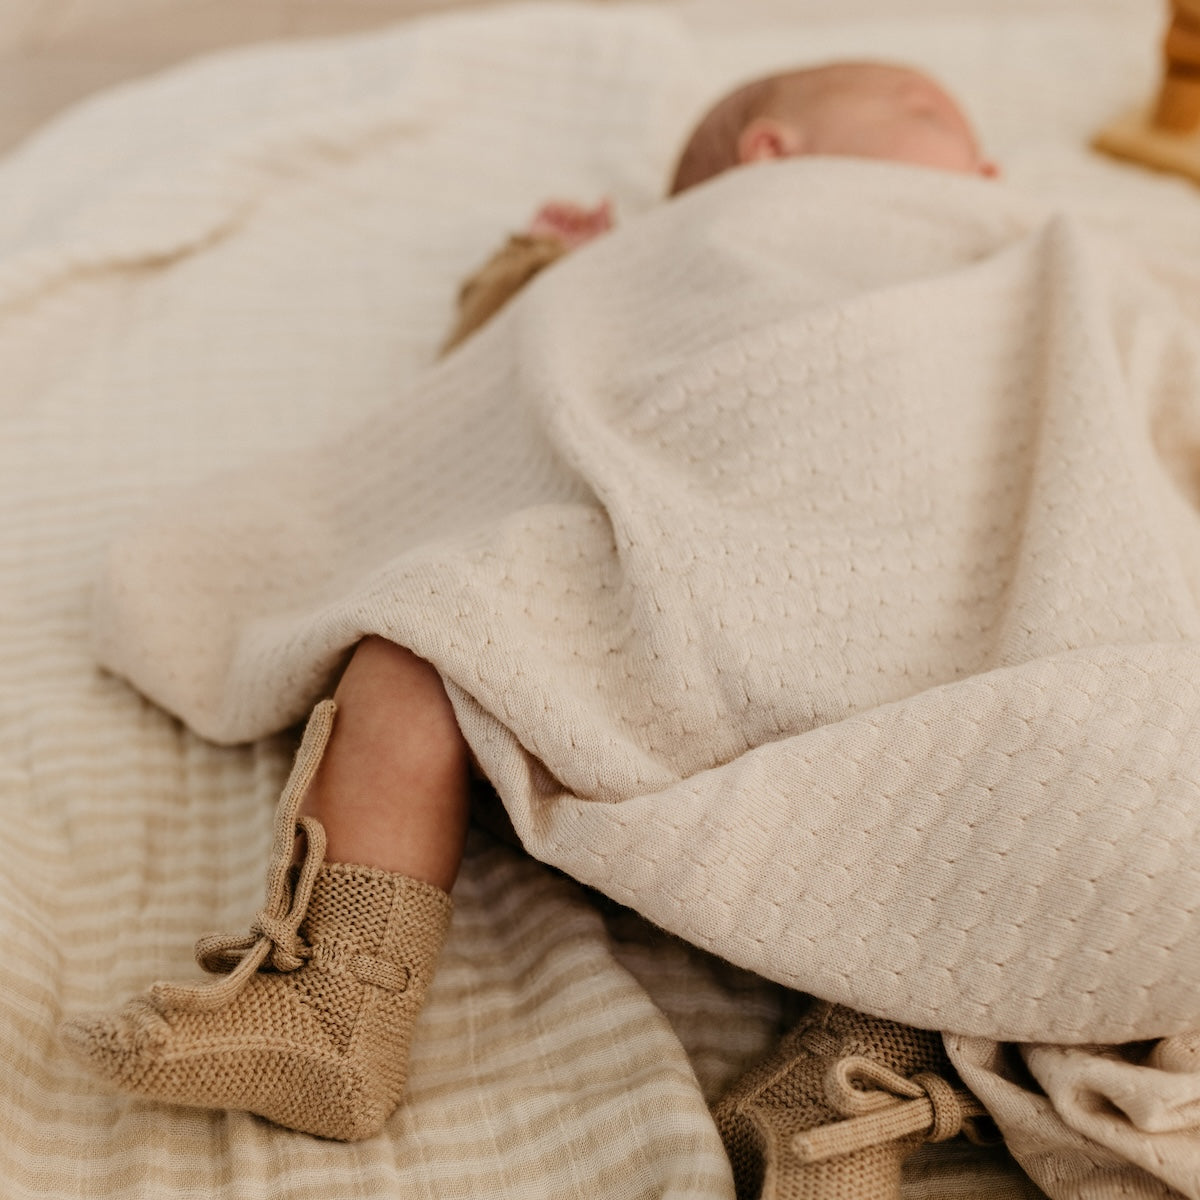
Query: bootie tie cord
[(274, 939), (894, 1107)]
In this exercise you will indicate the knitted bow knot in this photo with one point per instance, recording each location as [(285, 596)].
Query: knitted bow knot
[(274, 939), (891, 1107)]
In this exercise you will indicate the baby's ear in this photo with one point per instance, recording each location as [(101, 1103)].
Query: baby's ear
[(765, 138)]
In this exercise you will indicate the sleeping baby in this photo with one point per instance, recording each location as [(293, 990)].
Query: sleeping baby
[(863, 110), (310, 1024)]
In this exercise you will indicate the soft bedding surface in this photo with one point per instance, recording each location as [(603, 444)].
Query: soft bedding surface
[(942, 480)]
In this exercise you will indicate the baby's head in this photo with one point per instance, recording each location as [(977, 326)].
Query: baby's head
[(864, 110)]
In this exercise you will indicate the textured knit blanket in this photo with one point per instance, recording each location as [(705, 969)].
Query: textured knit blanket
[(811, 573)]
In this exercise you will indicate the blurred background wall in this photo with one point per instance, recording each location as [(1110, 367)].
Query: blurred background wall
[(53, 52)]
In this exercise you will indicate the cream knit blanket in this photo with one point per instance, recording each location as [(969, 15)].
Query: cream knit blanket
[(813, 568)]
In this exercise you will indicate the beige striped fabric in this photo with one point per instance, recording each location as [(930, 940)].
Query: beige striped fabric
[(568, 1049), (541, 1067)]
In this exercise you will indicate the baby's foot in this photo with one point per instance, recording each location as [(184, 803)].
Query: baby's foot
[(839, 1106), (322, 1048), (310, 1026)]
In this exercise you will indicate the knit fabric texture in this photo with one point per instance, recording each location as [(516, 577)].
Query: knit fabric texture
[(311, 1028), (810, 569), (323, 1049), (486, 290), (874, 1089)]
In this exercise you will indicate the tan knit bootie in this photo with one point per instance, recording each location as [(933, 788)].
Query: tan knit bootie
[(311, 1025), (833, 1113)]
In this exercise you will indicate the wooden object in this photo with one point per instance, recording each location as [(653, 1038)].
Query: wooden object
[(1167, 135)]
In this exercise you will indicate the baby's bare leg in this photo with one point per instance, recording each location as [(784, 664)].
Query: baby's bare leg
[(311, 1021), (392, 789)]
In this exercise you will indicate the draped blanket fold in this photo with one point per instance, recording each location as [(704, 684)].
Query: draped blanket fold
[(813, 564)]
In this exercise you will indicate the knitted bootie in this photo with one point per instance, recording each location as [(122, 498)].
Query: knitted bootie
[(310, 1026), (833, 1113)]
